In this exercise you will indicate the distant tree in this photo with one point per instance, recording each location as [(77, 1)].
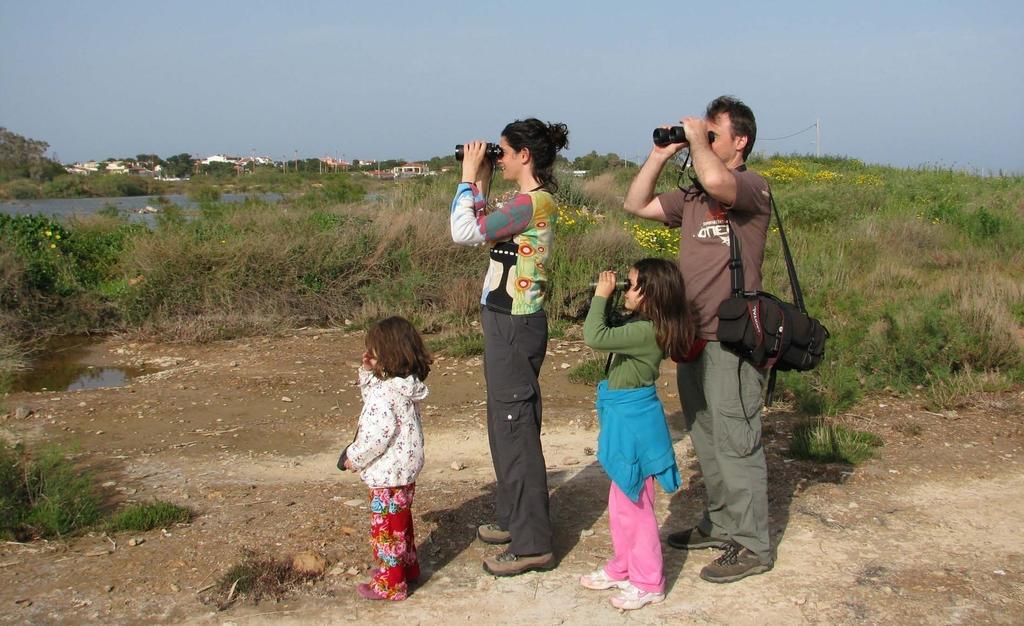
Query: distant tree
[(438, 162), (390, 163), (179, 165), (149, 160), (219, 169), (595, 163), (21, 157)]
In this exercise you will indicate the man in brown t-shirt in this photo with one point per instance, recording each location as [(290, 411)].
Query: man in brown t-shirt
[(722, 395)]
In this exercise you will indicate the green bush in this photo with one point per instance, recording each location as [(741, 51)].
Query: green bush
[(13, 497), (40, 243), (21, 189), (338, 189), (66, 186), (45, 495), (117, 185)]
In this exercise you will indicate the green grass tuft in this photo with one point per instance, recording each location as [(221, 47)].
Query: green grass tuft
[(147, 516), (589, 372), (461, 345), (819, 440)]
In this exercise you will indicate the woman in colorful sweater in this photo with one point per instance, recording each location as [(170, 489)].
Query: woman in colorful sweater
[(521, 232)]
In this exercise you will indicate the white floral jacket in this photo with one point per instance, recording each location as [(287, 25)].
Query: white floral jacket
[(388, 448)]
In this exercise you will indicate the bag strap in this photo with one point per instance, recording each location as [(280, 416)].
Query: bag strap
[(736, 262), (794, 284)]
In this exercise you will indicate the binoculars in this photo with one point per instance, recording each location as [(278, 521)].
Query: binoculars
[(675, 134), (492, 152), (620, 285)]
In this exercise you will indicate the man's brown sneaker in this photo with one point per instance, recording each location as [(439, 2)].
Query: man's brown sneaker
[(735, 563), (695, 539), (509, 563), (493, 534)]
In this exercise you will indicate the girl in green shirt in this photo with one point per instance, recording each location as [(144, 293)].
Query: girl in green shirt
[(634, 445)]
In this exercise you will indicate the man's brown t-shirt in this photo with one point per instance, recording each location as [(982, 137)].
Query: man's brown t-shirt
[(704, 241)]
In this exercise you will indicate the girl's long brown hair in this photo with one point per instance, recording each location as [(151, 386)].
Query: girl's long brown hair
[(666, 305), (398, 348)]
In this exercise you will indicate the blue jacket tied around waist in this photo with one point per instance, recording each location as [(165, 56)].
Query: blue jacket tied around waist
[(634, 441)]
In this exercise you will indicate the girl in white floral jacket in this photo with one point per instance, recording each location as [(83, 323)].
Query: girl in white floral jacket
[(388, 450)]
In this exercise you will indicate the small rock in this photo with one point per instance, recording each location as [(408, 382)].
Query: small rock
[(285, 399), (457, 466), (234, 364), (109, 483), (586, 532), (352, 571), (81, 404), (175, 588), (22, 412), (136, 541), (309, 563), (337, 570), (108, 588), (565, 366), (588, 451), (354, 502)]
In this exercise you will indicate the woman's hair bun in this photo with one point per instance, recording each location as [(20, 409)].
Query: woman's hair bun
[(559, 135)]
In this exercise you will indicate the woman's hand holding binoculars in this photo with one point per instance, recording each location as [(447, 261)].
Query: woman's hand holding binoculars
[(475, 164)]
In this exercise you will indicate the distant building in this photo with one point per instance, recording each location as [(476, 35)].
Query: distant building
[(220, 158), (408, 170), (335, 164), (83, 169), (117, 167)]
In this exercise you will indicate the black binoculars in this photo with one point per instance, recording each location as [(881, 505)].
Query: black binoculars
[(675, 134), (620, 285), (492, 152)]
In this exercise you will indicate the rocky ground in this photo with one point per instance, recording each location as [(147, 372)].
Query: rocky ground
[(247, 433)]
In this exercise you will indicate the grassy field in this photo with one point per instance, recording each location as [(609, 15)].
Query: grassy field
[(918, 274)]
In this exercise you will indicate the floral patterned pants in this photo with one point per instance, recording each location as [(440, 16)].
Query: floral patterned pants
[(392, 540)]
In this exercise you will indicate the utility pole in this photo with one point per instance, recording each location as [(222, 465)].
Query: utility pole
[(817, 137)]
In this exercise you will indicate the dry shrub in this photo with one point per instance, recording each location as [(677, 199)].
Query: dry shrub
[(986, 301), (963, 389), (893, 277), (604, 191), (257, 576)]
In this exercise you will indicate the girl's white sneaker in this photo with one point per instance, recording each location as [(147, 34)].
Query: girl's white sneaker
[(634, 598), (599, 580)]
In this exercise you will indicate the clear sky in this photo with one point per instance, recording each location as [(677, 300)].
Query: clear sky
[(901, 82)]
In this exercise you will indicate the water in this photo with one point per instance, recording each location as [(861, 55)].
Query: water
[(63, 208), (65, 366)]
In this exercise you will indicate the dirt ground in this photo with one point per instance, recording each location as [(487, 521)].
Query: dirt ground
[(247, 433)]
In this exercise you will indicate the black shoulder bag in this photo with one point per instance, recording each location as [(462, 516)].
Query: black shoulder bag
[(763, 329)]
